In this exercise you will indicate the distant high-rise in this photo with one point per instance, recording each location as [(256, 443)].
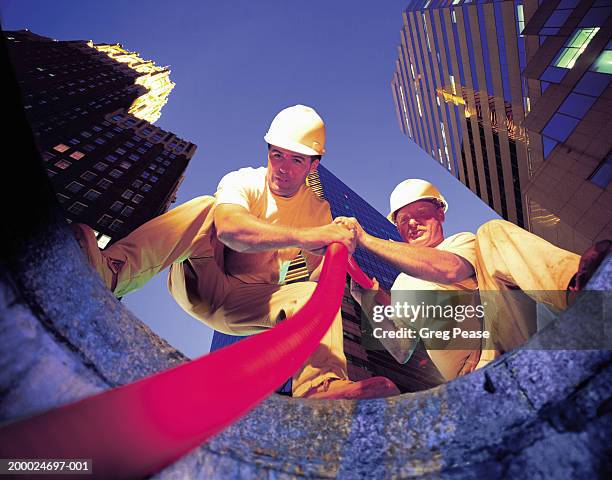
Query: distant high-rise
[(91, 108), (366, 357), (460, 95)]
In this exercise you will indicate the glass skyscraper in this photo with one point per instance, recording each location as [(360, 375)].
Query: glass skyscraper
[(365, 356), (471, 89)]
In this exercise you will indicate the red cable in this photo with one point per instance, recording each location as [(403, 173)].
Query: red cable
[(137, 429)]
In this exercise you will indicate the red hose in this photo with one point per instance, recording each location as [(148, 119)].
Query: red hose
[(137, 429), (357, 274)]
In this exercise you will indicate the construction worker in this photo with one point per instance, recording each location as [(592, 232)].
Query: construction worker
[(497, 269), (226, 253)]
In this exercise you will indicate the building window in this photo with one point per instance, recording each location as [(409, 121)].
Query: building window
[(117, 206), (603, 63), (127, 211), (141, 150), (111, 158), (137, 198), (161, 170), (137, 183), (103, 241), (602, 176), (86, 134), (47, 156), (74, 141), (127, 194), (115, 173), (104, 183), (100, 166), (153, 179), (62, 198), (100, 141), (129, 144), (77, 155), (89, 148), (120, 151), (63, 164), (109, 134), (574, 47), (77, 208), (88, 176), (51, 173), (96, 129), (116, 225), (134, 157), (92, 195), (105, 220), (152, 167), (60, 147), (74, 187), (148, 144), (146, 187), (145, 174)]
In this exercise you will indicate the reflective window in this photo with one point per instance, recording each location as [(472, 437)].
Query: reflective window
[(603, 173), (592, 83), (560, 126), (115, 173), (553, 74), (89, 176), (76, 208), (104, 183), (100, 166), (63, 164), (105, 220), (576, 105), (116, 206), (596, 17)]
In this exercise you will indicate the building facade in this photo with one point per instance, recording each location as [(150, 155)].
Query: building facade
[(466, 83), (91, 108), (366, 357)]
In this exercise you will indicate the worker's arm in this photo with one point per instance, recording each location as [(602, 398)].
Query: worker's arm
[(400, 348), (426, 263), (242, 231)]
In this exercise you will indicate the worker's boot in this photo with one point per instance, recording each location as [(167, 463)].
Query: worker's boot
[(589, 261), (335, 388)]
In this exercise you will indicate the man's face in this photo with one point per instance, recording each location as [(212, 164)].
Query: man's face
[(287, 170), (420, 223)]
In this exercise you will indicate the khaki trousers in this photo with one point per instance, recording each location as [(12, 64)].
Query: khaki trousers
[(510, 259), (513, 267), (185, 240)]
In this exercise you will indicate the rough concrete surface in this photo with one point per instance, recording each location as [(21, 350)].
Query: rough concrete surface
[(542, 413)]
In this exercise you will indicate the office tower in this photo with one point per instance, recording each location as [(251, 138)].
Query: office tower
[(366, 357), (570, 192), (460, 95), (92, 108)]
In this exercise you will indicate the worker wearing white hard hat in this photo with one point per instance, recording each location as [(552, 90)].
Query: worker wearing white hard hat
[(228, 254), (503, 263)]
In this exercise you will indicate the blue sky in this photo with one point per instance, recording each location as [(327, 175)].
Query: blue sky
[(235, 65)]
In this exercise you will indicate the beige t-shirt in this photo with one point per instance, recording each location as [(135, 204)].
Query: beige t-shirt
[(248, 188), (462, 244)]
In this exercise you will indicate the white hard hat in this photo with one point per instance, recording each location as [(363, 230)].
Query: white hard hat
[(299, 129), (410, 191)]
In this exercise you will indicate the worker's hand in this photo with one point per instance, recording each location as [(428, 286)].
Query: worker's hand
[(358, 292), (316, 239), (351, 222)]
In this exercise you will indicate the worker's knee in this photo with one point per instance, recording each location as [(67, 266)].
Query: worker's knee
[(493, 227)]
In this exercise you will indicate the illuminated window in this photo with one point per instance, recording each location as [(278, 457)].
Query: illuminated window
[(103, 241), (603, 63), (77, 155), (137, 183), (115, 173), (418, 104), (127, 194), (521, 19), (574, 47), (137, 198), (61, 147), (125, 164)]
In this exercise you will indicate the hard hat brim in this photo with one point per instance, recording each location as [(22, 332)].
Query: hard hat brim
[(293, 146), (391, 216)]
